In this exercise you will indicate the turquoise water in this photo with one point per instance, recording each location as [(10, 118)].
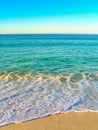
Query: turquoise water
[(48, 54), (45, 74)]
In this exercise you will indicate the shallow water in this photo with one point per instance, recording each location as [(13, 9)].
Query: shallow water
[(45, 74)]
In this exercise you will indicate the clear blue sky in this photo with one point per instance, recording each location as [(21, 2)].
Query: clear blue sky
[(48, 16)]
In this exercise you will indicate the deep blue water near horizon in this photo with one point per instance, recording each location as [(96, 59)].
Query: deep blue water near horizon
[(43, 74)]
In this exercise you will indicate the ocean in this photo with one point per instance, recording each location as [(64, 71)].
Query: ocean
[(45, 74)]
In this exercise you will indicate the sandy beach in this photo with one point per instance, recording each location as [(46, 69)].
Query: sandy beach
[(64, 121)]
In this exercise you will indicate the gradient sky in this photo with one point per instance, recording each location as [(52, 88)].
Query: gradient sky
[(49, 16)]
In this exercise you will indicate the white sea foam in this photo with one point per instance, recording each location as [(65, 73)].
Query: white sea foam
[(30, 97)]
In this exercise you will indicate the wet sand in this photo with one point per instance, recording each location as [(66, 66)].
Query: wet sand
[(64, 121)]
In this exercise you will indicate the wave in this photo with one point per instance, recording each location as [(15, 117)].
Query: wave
[(29, 96), (73, 77)]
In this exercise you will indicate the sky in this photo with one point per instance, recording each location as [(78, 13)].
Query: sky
[(49, 16)]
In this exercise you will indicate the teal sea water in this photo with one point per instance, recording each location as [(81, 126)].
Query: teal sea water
[(42, 75)]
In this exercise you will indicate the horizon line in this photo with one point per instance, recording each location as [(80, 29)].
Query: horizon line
[(48, 33)]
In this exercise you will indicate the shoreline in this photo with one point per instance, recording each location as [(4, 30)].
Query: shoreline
[(49, 115), (60, 121)]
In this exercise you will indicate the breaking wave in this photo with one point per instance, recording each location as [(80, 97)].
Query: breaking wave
[(31, 96)]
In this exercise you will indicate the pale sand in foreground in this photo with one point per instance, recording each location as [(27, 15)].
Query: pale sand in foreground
[(64, 121)]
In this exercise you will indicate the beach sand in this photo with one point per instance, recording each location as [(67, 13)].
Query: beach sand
[(64, 121)]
